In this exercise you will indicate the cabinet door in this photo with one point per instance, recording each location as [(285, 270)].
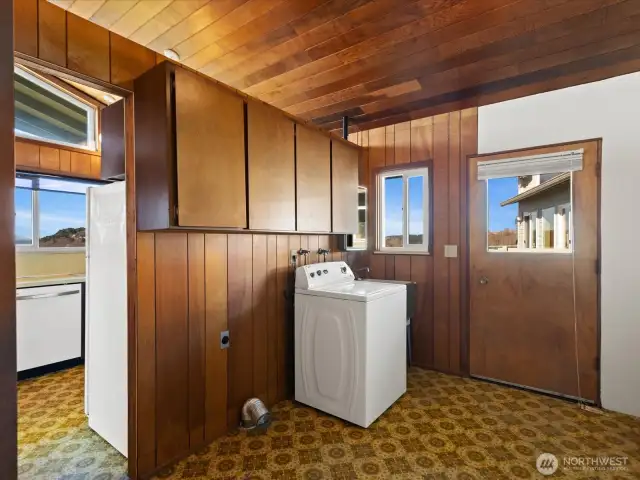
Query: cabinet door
[(113, 146), (344, 178), (209, 122), (271, 169), (313, 177)]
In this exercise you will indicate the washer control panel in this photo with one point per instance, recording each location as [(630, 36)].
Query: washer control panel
[(321, 274)]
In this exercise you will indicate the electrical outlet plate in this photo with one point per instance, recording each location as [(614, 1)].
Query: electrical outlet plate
[(451, 251), (294, 257)]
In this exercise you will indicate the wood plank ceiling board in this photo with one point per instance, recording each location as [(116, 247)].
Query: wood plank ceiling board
[(111, 11), (382, 62)]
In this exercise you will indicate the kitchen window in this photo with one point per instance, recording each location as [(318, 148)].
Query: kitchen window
[(44, 111), (50, 213), (402, 203)]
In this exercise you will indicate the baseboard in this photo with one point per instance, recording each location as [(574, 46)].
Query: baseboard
[(51, 368)]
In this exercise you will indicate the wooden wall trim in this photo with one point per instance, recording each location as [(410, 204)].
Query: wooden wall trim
[(51, 159), (8, 403)]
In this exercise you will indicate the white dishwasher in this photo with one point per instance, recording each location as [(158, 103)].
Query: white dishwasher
[(49, 325)]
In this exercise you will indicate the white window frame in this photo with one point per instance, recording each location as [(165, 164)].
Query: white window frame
[(35, 229), (364, 243), (406, 173), (92, 112)]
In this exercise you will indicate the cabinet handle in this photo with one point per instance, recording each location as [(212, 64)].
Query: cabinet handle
[(38, 296)]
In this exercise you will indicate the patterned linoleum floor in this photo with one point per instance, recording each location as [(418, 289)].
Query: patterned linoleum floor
[(54, 439), (443, 428)]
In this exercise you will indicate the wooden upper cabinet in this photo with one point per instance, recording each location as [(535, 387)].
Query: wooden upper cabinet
[(209, 126), (190, 152), (271, 169), (313, 177), (344, 177)]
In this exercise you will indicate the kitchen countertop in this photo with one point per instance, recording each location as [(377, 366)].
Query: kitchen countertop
[(48, 280)]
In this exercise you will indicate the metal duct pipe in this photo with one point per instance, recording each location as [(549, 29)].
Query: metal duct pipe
[(255, 414)]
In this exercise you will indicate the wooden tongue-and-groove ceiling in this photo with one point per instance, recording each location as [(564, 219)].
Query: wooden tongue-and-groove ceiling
[(383, 61)]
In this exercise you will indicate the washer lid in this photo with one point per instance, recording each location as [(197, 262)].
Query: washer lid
[(360, 291)]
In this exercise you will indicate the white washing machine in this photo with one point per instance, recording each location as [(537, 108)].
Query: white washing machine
[(350, 342)]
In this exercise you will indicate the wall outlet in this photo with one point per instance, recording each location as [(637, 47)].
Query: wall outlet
[(293, 258)]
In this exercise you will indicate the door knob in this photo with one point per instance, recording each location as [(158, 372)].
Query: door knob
[(484, 280)]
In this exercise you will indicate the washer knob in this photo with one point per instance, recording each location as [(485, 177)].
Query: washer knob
[(312, 274), (343, 269), (319, 272), (325, 271)]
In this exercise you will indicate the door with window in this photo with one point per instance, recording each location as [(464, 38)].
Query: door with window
[(533, 239)]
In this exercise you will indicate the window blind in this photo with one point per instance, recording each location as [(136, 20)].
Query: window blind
[(569, 161)]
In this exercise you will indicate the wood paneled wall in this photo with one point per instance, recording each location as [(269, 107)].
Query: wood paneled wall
[(439, 341), (41, 157), (48, 32), (8, 403), (193, 286)]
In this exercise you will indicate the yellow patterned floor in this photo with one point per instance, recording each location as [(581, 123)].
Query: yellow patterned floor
[(54, 439), (444, 428)]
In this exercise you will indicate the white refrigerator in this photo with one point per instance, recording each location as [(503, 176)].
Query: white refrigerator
[(106, 391)]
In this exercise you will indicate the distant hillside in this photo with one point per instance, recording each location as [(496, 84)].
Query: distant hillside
[(67, 237), (396, 240), (505, 238)]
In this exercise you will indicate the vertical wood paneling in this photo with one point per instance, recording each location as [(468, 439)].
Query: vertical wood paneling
[(440, 238), (402, 268), (146, 351), (468, 146), (87, 48), (422, 324), (282, 273), (313, 248), (49, 158), (25, 26), (438, 338), (390, 152), (260, 318), (65, 161), (272, 319), (422, 139), (239, 273), (197, 339), (128, 60), (454, 239), (52, 33), (172, 343), (402, 144), (216, 322)]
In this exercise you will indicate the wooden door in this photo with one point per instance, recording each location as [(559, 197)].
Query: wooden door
[(344, 181), (209, 123), (271, 169), (313, 178), (522, 328)]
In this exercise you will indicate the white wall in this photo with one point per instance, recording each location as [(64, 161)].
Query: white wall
[(609, 109)]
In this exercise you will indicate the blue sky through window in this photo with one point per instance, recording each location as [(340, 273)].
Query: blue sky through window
[(61, 210), (499, 190), (58, 210), (393, 205), (23, 216)]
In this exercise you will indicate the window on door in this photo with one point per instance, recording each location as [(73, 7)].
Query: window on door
[(403, 210), (50, 213), (530, 213)]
